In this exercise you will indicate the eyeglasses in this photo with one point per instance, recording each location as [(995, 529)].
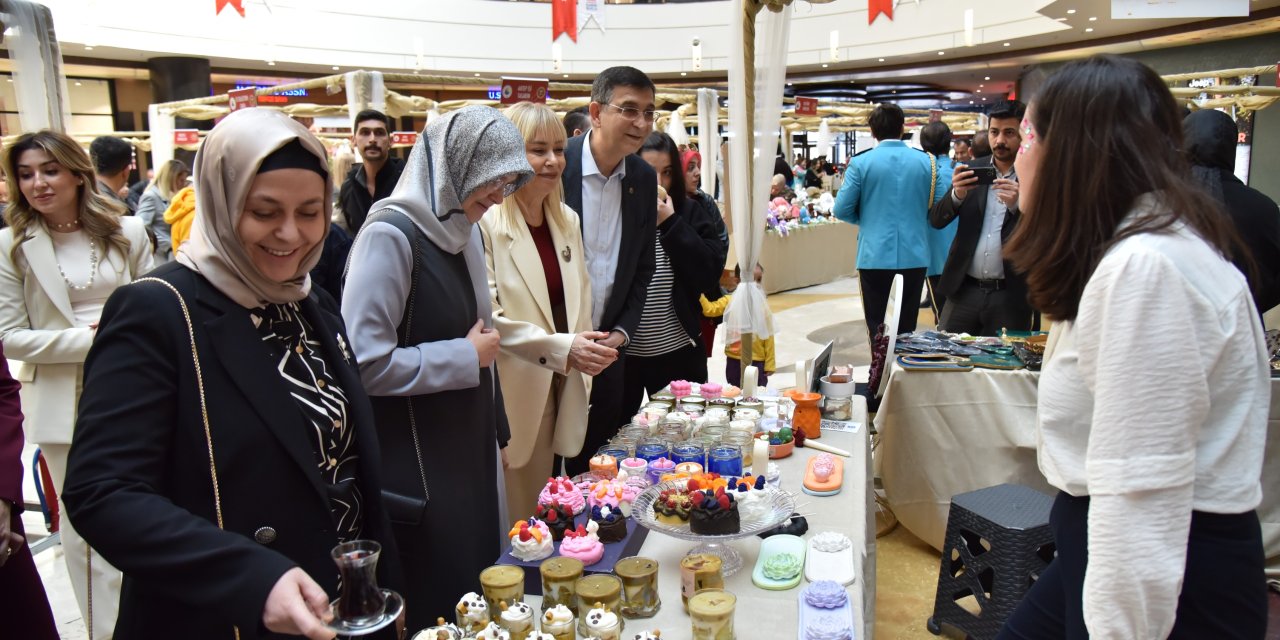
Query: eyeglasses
[(506, 182), (632, 113)]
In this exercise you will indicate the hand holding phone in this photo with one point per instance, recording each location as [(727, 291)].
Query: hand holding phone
[(985, 175)]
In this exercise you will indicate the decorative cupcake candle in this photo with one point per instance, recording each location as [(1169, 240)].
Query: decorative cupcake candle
[(561, 490), (516, 619), (531, 540), (583, 544), (603, 624), (559, 621), (472, 613), (557, 518)]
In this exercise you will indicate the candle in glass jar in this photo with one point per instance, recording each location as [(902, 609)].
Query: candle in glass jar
[(503, 583), (639, 586), (711, 614), (560, 622), (604, 589), (699, 571), (559, 579)]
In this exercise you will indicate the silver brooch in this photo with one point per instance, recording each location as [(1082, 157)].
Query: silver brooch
[(342, 346), (567, 254)]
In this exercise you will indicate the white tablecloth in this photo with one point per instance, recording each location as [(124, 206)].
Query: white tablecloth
[(945, 433), (808, 256), (774, 614)]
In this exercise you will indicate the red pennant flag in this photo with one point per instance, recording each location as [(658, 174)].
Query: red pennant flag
[(877, 7), (564, 19), (238, 5)]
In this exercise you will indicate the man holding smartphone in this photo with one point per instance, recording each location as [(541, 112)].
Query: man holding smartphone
[(984, 294)]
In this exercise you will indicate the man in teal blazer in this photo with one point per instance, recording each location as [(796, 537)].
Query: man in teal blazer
[(887, 192)]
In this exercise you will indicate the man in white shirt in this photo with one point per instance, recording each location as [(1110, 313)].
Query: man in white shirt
[(616, 195), (983, 293)]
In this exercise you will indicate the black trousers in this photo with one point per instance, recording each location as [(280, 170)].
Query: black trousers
[(603, 417), (984, 312), (875, 284), (650, 374), (1224, 590)]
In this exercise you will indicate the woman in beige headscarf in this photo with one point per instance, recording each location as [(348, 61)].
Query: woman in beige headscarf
[(225, 444)]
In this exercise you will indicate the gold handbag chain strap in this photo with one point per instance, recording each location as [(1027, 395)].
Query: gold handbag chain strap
[(204, 408)]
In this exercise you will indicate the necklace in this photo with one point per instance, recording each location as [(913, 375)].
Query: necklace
[(93, 270), (66, 226)]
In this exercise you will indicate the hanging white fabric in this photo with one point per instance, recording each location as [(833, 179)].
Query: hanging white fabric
[(822, 143), (365, 90), (675, 129), (38, 80), (161, 124), (709, 136), (751, 162)]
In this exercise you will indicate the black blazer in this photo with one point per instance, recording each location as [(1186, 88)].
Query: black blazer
[(972, 211), (635, 256), (138, 484)]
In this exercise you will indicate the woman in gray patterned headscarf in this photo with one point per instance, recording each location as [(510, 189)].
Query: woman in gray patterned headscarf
[(417, 307)]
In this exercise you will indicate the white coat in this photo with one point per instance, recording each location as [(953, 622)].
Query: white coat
[(37, 326)]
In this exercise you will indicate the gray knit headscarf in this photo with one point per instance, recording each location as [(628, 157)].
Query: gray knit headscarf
[(456, 154)]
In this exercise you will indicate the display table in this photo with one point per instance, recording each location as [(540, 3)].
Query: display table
[(808, 255), (774, 614), (945, 433)]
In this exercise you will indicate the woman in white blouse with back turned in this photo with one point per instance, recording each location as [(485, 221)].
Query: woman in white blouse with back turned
[(67, 247), (1154, 394)]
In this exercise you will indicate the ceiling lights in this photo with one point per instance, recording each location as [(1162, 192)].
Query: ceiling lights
[(1006, 44), (987, 78), (942, 53), (1070, 11), (1089, 30), (1093, 18)]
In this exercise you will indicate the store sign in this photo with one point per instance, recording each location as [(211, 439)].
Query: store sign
[(404, 137), (280, 97), (182, 137), (523, 90), (806, 106), (242, 98)]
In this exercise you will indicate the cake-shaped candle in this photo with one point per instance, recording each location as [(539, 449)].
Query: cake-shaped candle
[(614, 492), (634, 467), (604, 624), (604, 465), (561, 490), (714, 513), (681, 388), (711, 390), (531, 540), (556, 516), (658, 468), (672, 507), (612, 525), (583, 544), (559, 622), (516, 619)]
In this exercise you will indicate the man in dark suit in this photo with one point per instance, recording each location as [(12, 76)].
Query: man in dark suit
[(615, 193), (983, 292)]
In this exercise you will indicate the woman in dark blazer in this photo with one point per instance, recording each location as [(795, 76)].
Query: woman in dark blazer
[(218, 468)]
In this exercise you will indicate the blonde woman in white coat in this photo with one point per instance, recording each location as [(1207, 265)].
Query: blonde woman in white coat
[(67, 247), (542, 309)]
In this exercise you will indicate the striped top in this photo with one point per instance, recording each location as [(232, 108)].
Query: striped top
[(660, 331), (299, 357)]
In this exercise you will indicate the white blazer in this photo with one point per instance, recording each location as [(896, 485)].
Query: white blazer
[(531, 351), (37, 326)]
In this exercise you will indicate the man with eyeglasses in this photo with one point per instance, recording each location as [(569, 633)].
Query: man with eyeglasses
[(615, 193)]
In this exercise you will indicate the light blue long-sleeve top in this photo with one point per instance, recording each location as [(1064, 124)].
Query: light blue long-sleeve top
[(886, 193), (940, 239)]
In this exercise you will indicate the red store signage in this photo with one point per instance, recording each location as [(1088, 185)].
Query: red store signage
[(404, 137), (523, 90), (806, 106), (242, 98), (186, 136)]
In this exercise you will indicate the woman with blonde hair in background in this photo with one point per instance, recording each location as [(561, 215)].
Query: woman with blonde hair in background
[(542, 309), (171, 178), (67, 247)]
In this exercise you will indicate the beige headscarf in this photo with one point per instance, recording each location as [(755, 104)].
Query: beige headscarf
[(225, 167)]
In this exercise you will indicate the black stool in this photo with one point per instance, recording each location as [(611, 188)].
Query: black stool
[(998, 542)]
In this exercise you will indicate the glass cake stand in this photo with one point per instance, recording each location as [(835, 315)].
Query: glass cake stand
[(769, 509)]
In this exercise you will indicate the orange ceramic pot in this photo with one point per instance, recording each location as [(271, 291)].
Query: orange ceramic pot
[(807, 416)]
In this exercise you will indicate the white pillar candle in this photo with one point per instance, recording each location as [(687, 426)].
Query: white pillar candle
[(802, 375), (749, 382), (760, 455)]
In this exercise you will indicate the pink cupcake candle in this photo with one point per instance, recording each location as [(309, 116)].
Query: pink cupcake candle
[(562, 490)]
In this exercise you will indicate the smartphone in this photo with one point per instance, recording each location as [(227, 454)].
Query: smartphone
[(985, 175)]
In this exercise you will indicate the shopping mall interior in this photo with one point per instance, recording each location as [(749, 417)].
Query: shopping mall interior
[(147, 71)]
